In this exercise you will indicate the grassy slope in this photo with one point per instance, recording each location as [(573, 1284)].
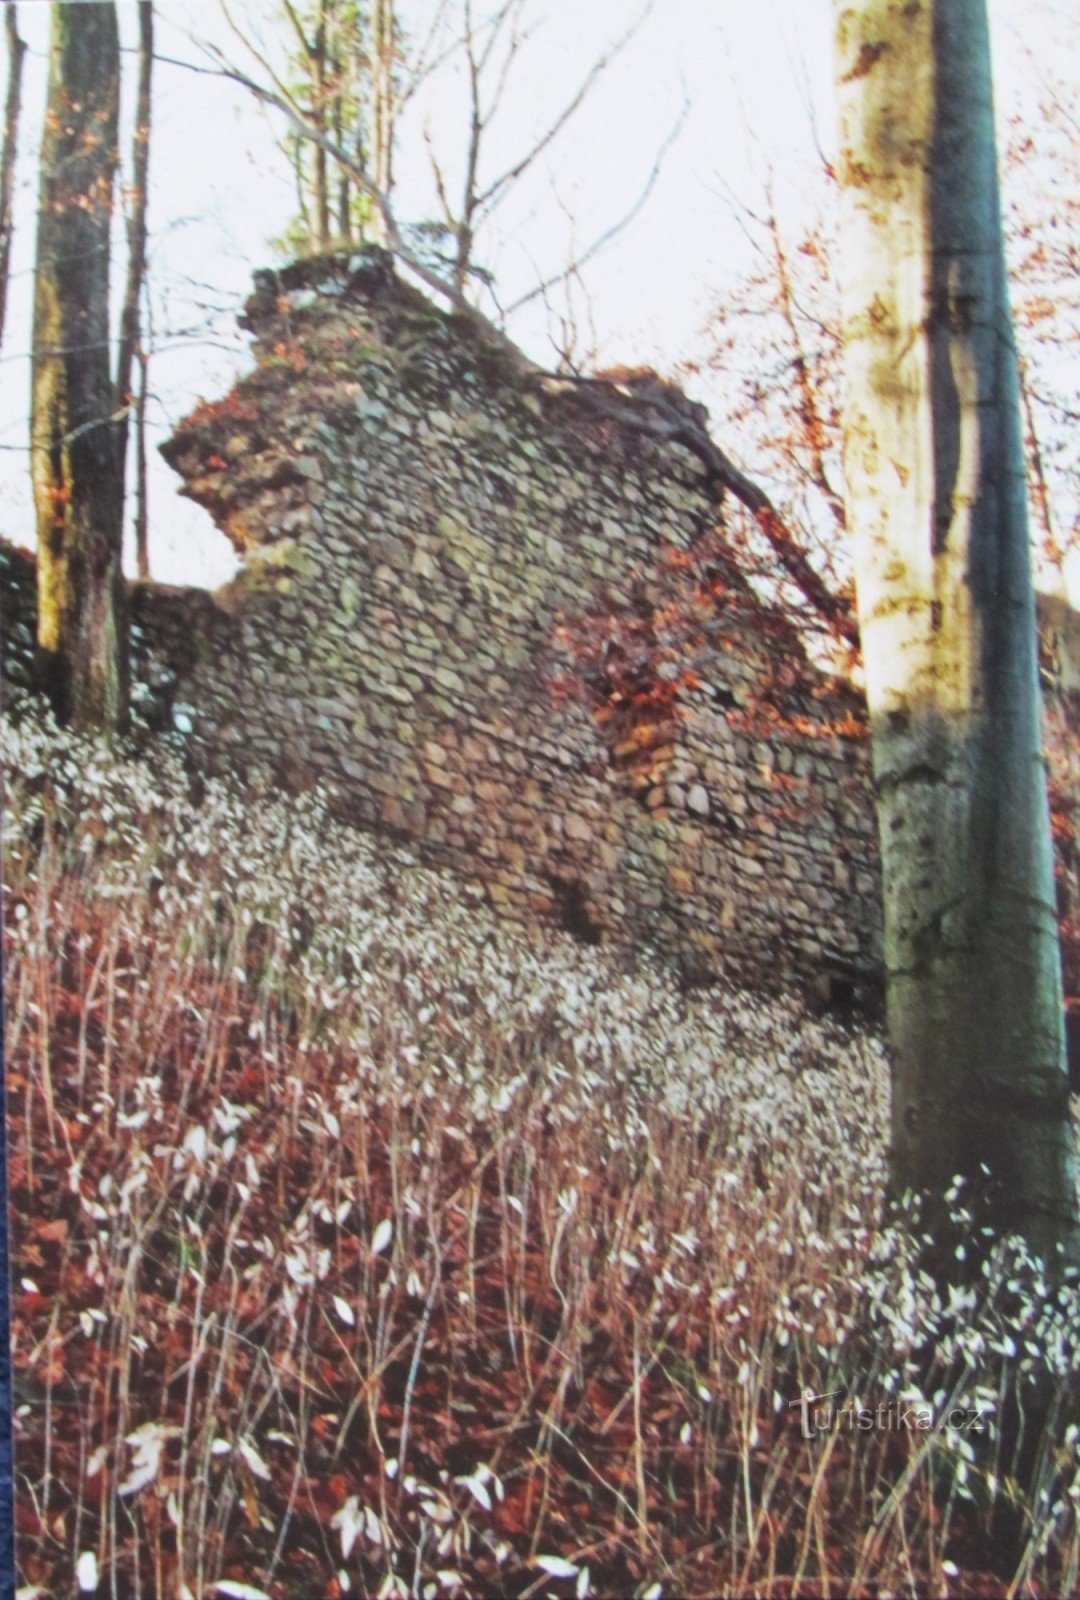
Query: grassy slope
[(366, 1245)]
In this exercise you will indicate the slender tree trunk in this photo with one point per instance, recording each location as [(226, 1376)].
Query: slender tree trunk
[(129, 342), (142, 482), (296, 153), (383, 47), (344, 201), (363, 207), (322, 178), (341, 63), (82, 620), (936, 505), (16, 50)]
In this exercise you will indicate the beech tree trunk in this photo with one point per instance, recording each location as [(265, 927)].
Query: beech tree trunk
[(16, 50), (75, 461), (936, 507)]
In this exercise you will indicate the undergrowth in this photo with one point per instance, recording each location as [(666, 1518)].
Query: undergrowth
[(368, 1246)]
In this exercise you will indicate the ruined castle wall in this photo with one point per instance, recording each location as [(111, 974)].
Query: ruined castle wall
[(415, 522)]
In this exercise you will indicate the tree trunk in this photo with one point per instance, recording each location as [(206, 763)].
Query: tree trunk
[(16, 50), (342, 111), (936, 507), (383, 46), (319, 104), (142, 480), (82, 621), (129, 342), (344, 202)]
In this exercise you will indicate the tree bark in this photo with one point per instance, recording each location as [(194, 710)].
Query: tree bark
[(82, 622), (142, 477), (16, 51), (129, 348), (344, 198), (320, 109), (936, 507), (383, 45)]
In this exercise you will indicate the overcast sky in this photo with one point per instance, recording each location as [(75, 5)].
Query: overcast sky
[(748, 85)]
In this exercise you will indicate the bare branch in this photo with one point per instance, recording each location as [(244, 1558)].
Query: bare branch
[(440, 182), (305, 43), (615, 229), (814, 431), (489, 196), (469, 200), (518, 38), (211, 50), (423, 66)]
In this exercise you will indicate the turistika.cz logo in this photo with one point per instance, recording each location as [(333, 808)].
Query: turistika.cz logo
[(820, 1415)]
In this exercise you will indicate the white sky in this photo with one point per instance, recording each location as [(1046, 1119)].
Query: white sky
[(220, 191)]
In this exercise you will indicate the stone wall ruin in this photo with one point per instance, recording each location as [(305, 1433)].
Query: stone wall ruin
[(414, 521)]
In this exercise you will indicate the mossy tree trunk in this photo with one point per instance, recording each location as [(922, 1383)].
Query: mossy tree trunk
[(75, 457), (936, 507)]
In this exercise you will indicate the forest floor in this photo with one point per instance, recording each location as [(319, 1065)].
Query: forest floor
[(365, 1245)]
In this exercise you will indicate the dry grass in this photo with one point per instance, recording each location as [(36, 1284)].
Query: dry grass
[(365, 1246)]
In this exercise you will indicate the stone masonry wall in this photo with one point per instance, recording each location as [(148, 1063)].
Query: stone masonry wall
[(415, 519)]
